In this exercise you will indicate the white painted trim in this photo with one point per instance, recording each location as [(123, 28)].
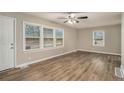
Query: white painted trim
[(98, 52), (40, 60), (41, 38), (24, 43), (15, 52), (94, 39), (122, 71)]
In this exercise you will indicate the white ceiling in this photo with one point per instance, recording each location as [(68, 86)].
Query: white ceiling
[(94, 18)]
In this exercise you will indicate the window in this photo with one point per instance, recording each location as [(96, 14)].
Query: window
[(59, 33), (40, 37), (32, 36), (98, 38), (48, 37)]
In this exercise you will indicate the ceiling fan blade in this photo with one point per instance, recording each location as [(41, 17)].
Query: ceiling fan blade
[(66, 21), (61, 18), (82, 17)]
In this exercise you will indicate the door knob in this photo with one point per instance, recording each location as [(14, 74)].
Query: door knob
[(11, 43), (12, 48)]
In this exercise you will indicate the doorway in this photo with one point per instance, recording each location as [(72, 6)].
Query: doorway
[(7, 43)]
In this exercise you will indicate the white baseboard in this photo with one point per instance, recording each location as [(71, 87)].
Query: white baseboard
[(40, 60), (98, 52)]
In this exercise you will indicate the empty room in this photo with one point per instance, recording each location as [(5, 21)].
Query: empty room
[(61, 46)]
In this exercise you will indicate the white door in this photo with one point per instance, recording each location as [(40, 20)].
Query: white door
[(7, 27)]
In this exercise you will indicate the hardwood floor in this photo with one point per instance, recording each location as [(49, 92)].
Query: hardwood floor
[(74, 66)]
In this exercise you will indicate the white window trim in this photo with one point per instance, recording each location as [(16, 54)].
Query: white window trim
[(103, 39), (53, 36), (41, 38), (62, 37), (24, 43)]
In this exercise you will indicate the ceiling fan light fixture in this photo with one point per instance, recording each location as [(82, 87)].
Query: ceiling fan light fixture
[(70, 21), (74, 21)]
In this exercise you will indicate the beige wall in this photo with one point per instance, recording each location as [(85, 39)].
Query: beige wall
[(112, 39), (25, 57)]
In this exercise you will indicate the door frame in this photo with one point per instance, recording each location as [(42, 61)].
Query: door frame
[(15, 59), (14, 37)]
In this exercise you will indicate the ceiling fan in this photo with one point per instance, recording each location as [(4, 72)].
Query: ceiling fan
[(72, 19)]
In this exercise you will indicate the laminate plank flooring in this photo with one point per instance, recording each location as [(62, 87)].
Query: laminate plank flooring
[(76, 66)]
